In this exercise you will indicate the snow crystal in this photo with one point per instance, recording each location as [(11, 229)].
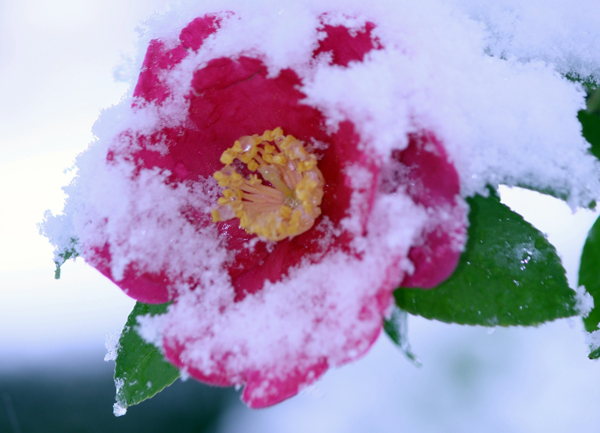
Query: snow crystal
[(112, 347), (184, 374), (585, 302), (148, 328), (119, 410), (593, 339), (120, 406), (562, 33)]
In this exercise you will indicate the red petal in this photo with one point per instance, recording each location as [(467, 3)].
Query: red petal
[(263, 391), (150, 85), (433, 182), (344, 47), (173, 352), (142, 286), (198, 30)]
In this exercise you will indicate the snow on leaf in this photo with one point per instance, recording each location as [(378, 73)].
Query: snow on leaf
[(141, 370), (396, 327), (589, 277)]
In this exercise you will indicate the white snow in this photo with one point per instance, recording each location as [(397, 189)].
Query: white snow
[(561, 33), (119, 410), (112, 346), (592, 339), (585, 302)]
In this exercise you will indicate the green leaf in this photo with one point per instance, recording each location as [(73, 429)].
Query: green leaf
[(593, 101), (508, 275), (396, 327), (588, 82), (590, 123), (141, 370), (69, 253), (589, 274)]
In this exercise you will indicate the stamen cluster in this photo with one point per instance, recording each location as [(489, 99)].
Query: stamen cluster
[(288, 203)]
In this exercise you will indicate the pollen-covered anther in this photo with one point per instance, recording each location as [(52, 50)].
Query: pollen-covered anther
[(282, 195)]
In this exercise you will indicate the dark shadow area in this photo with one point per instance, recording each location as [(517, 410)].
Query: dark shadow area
[(80, 402)]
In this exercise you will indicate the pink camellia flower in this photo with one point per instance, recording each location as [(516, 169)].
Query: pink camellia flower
[(278, 232)]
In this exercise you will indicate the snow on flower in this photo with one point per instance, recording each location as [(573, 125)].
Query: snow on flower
[(301, 251), (279, 171)]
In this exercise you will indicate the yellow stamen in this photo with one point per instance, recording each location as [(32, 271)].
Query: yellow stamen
[(216, 217), (269, 148), (272, 174), (280, 159), (285, 207), (285, 211), (252, 165)]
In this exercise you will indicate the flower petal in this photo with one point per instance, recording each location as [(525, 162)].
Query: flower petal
[(262, 390), (150, 288), (159, 58), (345, 47), (150, 85), (434, 183)]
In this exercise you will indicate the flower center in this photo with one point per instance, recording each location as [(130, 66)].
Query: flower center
[(285, 208)]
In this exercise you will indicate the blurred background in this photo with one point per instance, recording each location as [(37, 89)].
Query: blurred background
[(59, 67)]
